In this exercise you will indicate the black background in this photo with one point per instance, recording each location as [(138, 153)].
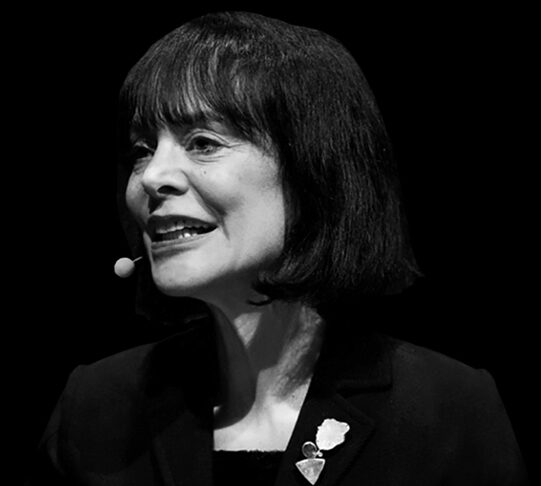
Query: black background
[(448, 81)]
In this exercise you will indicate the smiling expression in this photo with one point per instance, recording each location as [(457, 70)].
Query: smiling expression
[(210, 207)]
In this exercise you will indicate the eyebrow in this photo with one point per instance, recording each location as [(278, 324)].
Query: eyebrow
[(215, 124)]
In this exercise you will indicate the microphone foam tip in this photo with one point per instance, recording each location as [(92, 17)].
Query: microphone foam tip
[(124, 267)]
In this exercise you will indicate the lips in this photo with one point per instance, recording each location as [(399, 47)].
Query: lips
[(173, 228)]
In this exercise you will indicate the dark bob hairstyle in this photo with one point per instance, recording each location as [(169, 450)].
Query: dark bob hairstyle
[(298, 93)]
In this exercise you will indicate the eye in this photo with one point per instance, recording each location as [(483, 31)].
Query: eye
[(204, 145), (139, 152)]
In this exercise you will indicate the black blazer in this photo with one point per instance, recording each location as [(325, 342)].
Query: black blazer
[(144, 417)]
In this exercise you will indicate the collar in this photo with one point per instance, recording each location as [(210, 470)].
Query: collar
[(183, 378)]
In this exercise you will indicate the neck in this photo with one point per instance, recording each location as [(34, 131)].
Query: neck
[(266, 356)]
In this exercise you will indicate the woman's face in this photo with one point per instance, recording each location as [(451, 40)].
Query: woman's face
[(211, 209)]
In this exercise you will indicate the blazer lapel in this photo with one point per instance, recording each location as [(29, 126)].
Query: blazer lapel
[(182, 444), (180, 408), (314, 412), (343, 371)]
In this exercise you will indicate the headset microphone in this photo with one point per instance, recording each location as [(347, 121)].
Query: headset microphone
[(124, 267)]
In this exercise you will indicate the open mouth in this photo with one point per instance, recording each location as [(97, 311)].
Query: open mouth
[(172, 229)]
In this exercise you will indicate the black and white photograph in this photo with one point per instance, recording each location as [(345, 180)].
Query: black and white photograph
[(273, 246)]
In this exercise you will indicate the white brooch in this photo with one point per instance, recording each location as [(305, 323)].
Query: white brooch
[(329, 434)]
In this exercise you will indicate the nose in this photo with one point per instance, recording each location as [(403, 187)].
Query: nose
[(164, 174)]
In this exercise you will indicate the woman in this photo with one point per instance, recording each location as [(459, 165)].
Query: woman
[(259, 185)]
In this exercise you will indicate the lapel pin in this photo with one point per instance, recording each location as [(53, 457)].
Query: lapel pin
[(329, 434)]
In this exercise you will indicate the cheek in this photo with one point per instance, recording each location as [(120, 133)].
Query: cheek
[(262, 216), (132, 197), (242, 181), (250, 204), (221, 191)]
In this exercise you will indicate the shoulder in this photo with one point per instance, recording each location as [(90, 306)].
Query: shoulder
[(440, 383), (455, 408), (109, 384), (121, 371), (410, 354), (132, 371), (95, 409), (108, 401), (418, 364), (100, 396), (127, 382)]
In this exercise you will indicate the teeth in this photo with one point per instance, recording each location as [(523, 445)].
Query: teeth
[(180, 225), (178, 235), (181, 229)]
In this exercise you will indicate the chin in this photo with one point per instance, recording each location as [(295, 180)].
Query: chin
[(176, 279), (208, 288), (175, 287), (183, 284)]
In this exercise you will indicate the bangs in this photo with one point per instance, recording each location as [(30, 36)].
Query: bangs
[(190, 78), (299, 95)]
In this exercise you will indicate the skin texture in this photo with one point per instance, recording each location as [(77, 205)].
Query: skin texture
[(266, 353), (208, 174)]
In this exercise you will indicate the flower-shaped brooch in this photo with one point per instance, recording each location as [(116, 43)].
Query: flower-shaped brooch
[(329, 434)]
